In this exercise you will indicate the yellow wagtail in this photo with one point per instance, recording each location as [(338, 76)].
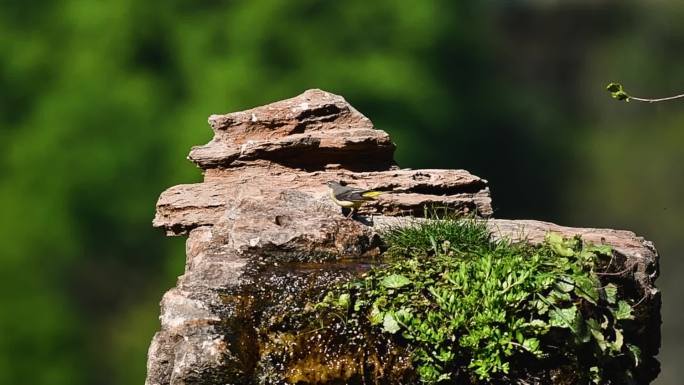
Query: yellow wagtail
[(349, 197)]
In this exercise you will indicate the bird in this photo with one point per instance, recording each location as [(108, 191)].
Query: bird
[(350, 198)]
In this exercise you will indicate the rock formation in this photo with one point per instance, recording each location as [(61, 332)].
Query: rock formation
[(264, 239)]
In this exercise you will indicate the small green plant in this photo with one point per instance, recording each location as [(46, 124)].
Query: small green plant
[(469, 306), (618, 92)]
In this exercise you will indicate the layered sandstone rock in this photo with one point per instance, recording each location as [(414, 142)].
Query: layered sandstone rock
[(264, 239)]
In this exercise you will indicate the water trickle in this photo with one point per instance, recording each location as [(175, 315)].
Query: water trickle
[(280, 338)]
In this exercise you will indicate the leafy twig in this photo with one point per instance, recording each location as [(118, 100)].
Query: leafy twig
[(618, 92)]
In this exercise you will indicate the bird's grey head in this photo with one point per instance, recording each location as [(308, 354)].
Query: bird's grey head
[(335, 184)]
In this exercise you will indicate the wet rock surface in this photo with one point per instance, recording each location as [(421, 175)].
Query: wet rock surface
[(265, 242)]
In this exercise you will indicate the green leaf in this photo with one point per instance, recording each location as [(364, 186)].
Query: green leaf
[(444, 355), (595, 374), (569, 318), (395, 281), (554, 238), (541, 306), (376, 316), (344, 300), (446, 245), (390, 324), (611, 293), (558, 245), (329, 298), (597, 332), (557, 296), (537, 325), (531, 345), (565, 285), (614, 87), (563, 318), (431, 375), (434, 244), (635, 353), (623, 311), (617, 91), (581, 329), (403, 315), (616, 346), (621, 95), (594, 326), (519, 337), (587, 255), (600, 249), (587, 288)]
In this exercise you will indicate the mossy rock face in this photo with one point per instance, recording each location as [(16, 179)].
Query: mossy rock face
[(333, 356), (476, 310), (347, 322), (297, 322), (283, 339)]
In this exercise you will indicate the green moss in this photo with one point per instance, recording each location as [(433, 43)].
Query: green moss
[(474, 310)]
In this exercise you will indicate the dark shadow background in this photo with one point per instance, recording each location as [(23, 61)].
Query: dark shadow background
[(100, 101)]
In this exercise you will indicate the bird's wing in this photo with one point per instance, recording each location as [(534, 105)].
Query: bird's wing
[(349, 194), (355, 194)]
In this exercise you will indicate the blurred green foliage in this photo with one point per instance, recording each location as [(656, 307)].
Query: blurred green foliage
[(101, 100)]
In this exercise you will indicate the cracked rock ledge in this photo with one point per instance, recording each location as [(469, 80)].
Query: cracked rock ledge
[(263, 237)]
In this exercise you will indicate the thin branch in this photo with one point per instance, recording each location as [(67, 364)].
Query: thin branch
[(656, 100), (618, 92)]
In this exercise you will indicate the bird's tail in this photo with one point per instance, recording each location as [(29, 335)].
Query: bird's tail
[(371, 194)]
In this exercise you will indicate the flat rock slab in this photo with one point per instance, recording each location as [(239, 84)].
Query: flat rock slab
[(311, 130), (184, 207)]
